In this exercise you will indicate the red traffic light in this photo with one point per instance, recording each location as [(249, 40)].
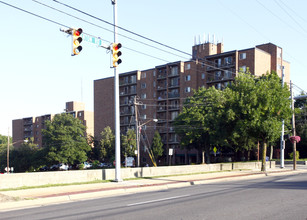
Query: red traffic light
[(117, 46), (78, 32)]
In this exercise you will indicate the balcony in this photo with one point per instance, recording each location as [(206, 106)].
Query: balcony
[(173, 95), (174, 85), (173, 107), (161, 109)]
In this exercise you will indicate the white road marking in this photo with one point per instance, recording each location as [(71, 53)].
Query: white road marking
[(157, 200)]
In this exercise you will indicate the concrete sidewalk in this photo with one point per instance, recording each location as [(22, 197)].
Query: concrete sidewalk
[(19, 199)]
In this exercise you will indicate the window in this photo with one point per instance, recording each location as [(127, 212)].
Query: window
[(144, 106), (203, 76), (143, 75), (243, 69), (218, 75), (154, 73), (187, 89), (154, 84), (188, 78), (227, 74), (242, 56), (143, 85), (227, 60), (174, 70), (143, 96), (279, 52), (174, 115), (144, 117), (218, 62), (187, 66)]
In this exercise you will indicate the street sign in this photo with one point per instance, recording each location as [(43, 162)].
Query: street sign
[(94, 40), (214, 150)]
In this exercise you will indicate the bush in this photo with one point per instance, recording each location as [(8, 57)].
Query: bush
[(297, 155)]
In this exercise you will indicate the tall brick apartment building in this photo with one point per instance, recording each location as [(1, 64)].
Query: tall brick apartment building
[(31, 127), (161, 91)]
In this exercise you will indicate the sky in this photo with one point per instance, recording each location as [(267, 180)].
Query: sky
[(39, 75)]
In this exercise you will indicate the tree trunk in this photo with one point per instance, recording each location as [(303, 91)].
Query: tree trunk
[(207, 154), (271, 152), (264, 147), (203, 157)]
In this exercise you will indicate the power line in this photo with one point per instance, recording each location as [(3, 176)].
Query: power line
[(124, 29), (44, 18), (279, 17), (108, 30), (290, 16)]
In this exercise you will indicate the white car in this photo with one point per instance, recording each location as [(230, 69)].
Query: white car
[(63, 166)]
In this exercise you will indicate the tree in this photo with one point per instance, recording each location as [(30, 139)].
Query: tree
[(199, 123), (106, 147), (262, 103), (128, 143), (157, 146), (24, 158), (64, 140)]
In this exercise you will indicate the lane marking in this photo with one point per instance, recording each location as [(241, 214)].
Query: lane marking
[(157, 200)]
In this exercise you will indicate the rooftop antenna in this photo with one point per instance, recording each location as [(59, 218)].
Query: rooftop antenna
[(194, 40), (208, 37)]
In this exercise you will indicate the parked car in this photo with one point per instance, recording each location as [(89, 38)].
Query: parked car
[(54, 167), (105, 165), (44, 168), (63, 166), (86, 165)]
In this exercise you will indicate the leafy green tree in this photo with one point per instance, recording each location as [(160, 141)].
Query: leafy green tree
[(128, 143), (106, 148), (262, 103), (64, 140), (23, 158), (301, 125), (157, 146), (199, 123)]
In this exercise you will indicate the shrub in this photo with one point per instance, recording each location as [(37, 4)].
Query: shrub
[(297, 155)]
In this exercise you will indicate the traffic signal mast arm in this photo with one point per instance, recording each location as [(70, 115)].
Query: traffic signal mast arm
[(85, 37)]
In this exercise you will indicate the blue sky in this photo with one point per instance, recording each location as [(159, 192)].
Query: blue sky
[(38, 75)]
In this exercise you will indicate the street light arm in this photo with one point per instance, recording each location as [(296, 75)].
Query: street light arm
[(154, 120)]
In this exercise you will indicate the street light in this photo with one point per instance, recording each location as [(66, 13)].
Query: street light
[(138, 128)]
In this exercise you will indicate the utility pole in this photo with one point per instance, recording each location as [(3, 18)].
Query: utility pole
[(8, 152), (282, 141), (137, 131), (116, 98), (293, 126)]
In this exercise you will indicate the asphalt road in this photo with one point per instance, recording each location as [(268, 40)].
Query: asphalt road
[(270, 197)]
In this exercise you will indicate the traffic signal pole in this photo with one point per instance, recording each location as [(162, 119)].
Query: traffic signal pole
[(117, 112), (282, 140)]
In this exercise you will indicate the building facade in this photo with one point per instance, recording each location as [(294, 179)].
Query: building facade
[(31, 127), (159, 93)]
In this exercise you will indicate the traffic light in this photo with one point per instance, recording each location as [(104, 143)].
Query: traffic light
[(116, 53), (76, 41)]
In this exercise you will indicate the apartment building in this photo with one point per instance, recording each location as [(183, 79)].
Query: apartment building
[(31, 127), (159, 93)]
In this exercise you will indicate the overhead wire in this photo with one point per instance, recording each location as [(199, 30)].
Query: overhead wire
[(292, 18), (91, 23), (121, 28)]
